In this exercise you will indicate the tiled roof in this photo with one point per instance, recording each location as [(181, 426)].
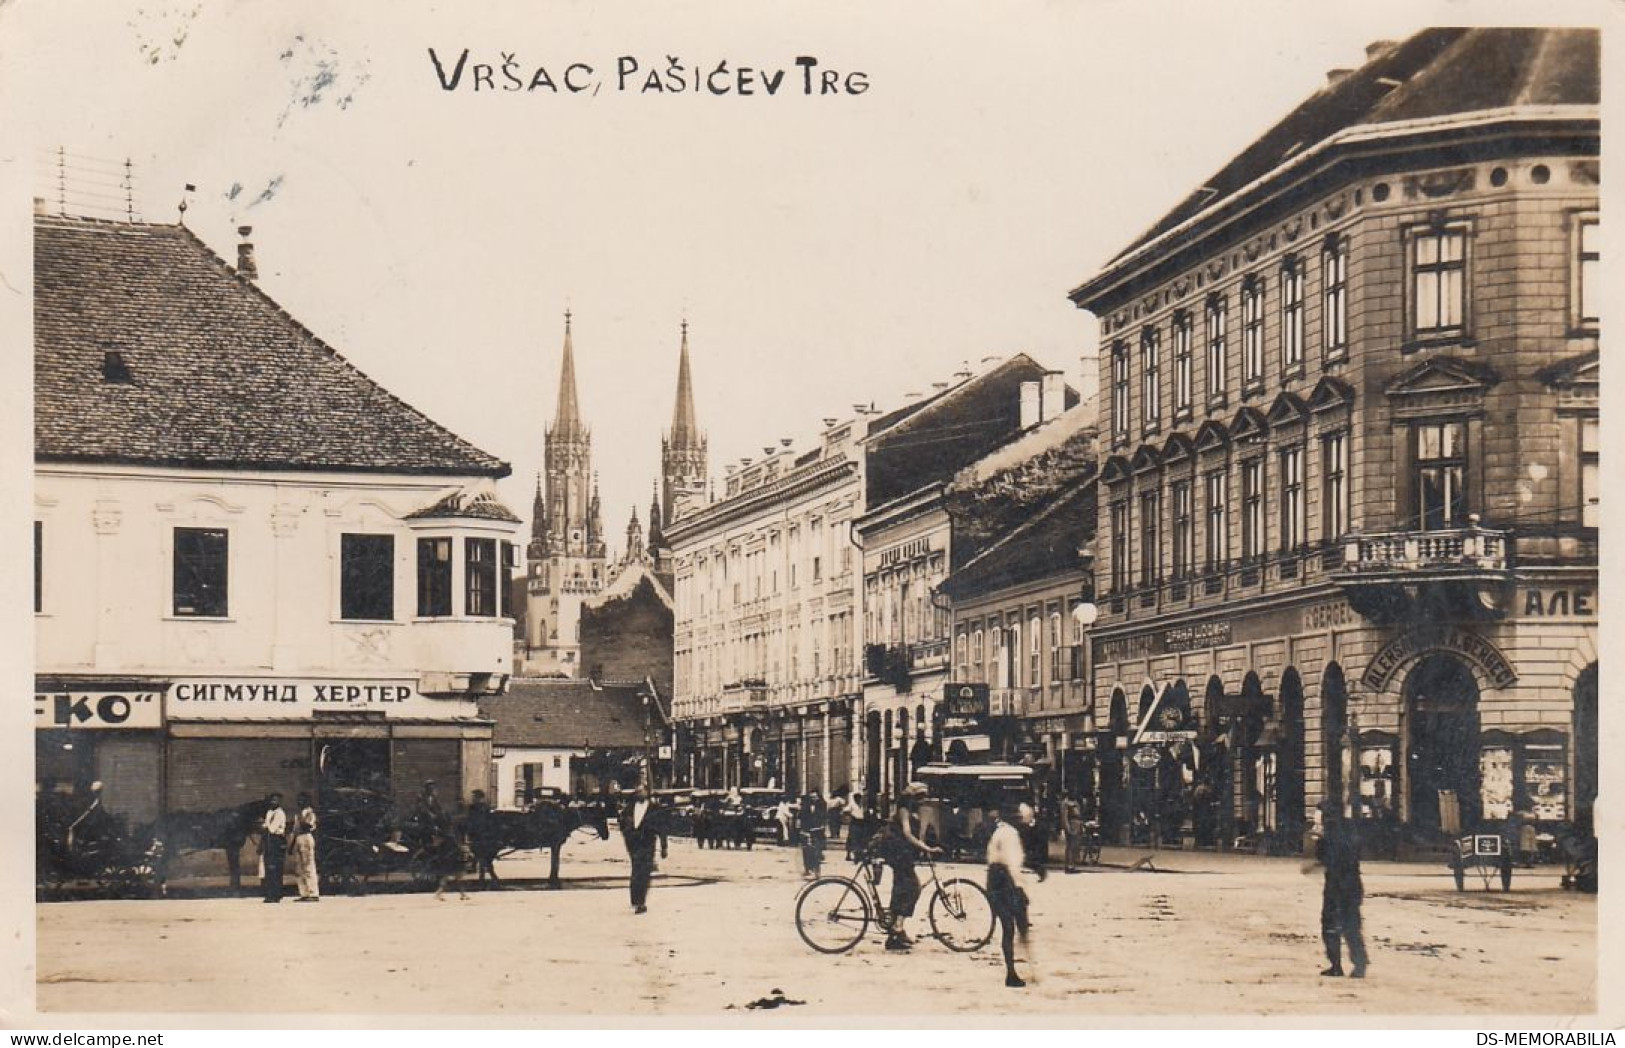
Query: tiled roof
[(1435, 73), (149, 349), (460, 504), (567, 713), (1046, 544)]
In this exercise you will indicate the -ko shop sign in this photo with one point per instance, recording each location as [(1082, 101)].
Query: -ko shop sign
[(78, 710)]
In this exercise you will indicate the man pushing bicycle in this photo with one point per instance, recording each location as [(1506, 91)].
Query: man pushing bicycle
[(898, 845)]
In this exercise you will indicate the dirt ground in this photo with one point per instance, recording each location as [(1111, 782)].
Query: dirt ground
[(1200, 935)]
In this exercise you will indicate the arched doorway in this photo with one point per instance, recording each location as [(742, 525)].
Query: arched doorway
[(1210, 799), (1334, 727), (1256, 737), (1113, 795), (1441, 745), (1289, 774), (872, 779), (900, 769), (1585, 747)]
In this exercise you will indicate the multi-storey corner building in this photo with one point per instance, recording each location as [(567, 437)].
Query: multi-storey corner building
[(909, 547), (1348, 519), (254, 569), (766, 657)]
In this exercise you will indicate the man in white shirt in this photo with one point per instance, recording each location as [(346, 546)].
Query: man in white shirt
[(1005, 859), (639, 834), (273, 847)]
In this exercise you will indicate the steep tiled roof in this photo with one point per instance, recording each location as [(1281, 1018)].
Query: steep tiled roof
[(567, 713), (1436, 73), (1047, 543), (208, 372)]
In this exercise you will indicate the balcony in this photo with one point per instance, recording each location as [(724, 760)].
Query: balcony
[(928, 655), (1419, 575), (743, 695)]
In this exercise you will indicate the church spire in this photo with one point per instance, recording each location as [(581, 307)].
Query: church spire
[(657, 537), (683, 427), (568, 416)]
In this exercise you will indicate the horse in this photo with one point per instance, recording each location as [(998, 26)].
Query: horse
[(181, 832), (547, 824)]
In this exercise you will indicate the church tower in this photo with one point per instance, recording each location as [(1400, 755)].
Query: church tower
[(683, 450), (566, 553)]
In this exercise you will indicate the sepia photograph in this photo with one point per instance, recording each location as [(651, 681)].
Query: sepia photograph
[(727, 514)]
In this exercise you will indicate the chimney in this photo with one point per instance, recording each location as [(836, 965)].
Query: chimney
[(41, 207), (1030, 416), (1052, 396), (1337, 76), (1377, 48), (245, 255)]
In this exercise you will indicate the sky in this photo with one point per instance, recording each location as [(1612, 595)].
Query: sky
[(826, 249)]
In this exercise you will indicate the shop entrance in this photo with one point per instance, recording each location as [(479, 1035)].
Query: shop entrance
[(1441, 746), (1585, 744), (352, 764)]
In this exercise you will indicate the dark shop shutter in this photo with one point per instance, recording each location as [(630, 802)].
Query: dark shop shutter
[(209, 774), (128, 765), (414, 761)]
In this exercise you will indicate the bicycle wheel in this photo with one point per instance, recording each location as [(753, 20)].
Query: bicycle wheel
[(960, 915), (832, 914)]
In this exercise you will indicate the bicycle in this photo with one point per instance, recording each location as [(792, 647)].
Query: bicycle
[(833, 913)]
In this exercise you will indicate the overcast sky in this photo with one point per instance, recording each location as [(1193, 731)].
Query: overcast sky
[(826, 250)]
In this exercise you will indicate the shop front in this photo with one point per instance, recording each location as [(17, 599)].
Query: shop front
[(98, 730)]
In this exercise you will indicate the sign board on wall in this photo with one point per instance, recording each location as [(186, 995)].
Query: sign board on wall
[(295, 699), (80, 710)]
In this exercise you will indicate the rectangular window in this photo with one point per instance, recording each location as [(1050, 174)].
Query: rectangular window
[(1441, 475), (1292, 524), (366, 576), (434, 577), (1151, 376), (1216, 536), (1590, 478), (1439, 281), (1291, 315), (510, 564), (1252, 334), (1182, 363), (200, 572), (1034, 655), (1334, 464), (1149, 547), (480, 575), (1120, 424), (1335, 297), (1184, 545), (1215, 347), (1588, 287), (1252, 508), (1119, 545)]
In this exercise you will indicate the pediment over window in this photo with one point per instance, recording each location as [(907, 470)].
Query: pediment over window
[(1146, 458), (1212, 436), (1288, 410), (1330, 394), (1440, 385), (1116, 470), (1249, 424), (1575, 373), (1177, 448)]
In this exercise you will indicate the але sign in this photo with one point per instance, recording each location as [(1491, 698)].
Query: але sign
[(98, 709)]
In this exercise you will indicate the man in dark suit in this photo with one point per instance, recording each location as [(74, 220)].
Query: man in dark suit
[(639, 832), (1338, 851)]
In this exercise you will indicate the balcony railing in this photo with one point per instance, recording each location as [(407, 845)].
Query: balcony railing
[(1471, 547), (928, 654)]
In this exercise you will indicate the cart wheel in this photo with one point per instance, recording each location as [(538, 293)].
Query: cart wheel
[(961, 915), (832, 914)]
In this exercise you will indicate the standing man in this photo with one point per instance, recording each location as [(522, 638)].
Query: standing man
[(638, 833), (813, 822), (1005, 858), (1338, 851), (857, 826), (482, 838), (1072, 827), (273, 847), (303, 851)]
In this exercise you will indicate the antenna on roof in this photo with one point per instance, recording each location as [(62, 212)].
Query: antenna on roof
[(129, 190), (185, 197)]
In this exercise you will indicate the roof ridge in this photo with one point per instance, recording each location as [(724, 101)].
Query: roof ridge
[(504, 468)]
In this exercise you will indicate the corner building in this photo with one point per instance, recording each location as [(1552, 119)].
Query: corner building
[(1348, 514)]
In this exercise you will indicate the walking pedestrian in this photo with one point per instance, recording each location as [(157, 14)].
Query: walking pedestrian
[(1072, 827), (857, 829), (814, 822), (1338, 852), (273, 847), (638, 834), (483, 843), (1005, 858), (303, 851)]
